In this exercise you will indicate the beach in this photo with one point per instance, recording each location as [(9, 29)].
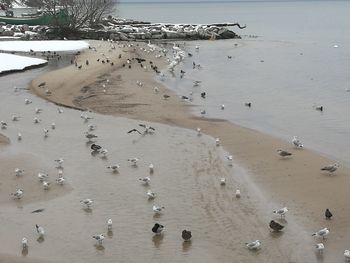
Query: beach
[(268, 181)]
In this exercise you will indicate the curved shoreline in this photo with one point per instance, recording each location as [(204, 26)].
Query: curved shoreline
[(296, 182)]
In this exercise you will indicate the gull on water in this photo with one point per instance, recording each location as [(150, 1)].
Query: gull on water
[(330, 168), (109, 224), (42, 176), (38, 110), (223, 181), (90, 136), (186, 235), (282, 211), (95, 147), (27, 101), (86, 202), (19, 136), (157, 229), (19, 172), (40, 230), (297, 143), (151, 195), (321, 233), (319, 247), (238, 193), (24, 243), (15, 118), (59, 162), (347, 255), (253, 245), (283, 153), (157, 209), (53, 125), (133, 161), (104, 153), (145, 180), (151, 168), (36, 120), (18, 194), (99, 238), (3, 125), (60, 180), (46, 133), (114, 168)]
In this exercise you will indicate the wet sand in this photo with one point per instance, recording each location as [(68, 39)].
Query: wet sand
[(191, 180)]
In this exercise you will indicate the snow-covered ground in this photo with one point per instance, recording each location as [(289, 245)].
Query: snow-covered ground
[(50, 45), (10, 62)]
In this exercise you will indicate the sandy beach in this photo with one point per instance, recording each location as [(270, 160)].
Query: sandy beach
[(186, 177)]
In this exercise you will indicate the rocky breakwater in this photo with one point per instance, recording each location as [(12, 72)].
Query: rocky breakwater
[(22, 31)]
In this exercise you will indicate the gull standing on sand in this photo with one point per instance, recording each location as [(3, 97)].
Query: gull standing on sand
[(46, 133), (53, 126), (95, 147), (282, 211), (3, 125), (321, 233), (254, 245), (86, 202), (229, 159), (150, 194), (330, 168), (347, 255), (99, 238), (18, 194), (24, 243), (320, 248), (104, 153), (36, 120), (40, 230), (297, 143), (199, 133), (217, 141)]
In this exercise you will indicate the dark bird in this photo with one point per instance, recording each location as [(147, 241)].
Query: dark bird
[(186, 235), (328, 214), (320, 108), (157, 229), (203, 94), (275, 226), (87, 62), (284, 153), (147, 127), (38, 210), (42, 84), (95, 147), (182, 72), (134, 130), (190, 54), (229, 57), (165, 96), (80, 66), (248, 104), (129, 66), (184, 97)]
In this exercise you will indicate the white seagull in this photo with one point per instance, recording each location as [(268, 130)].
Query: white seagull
[(217, 142), (151, 168), (60, 180), (222, 181), (19, 172), (27, 101), (18, 194), (145, 180), (320, 248), (114, 168), (19, 136), (321, 233), (347, 255), (297, 143), (150, 194), (36, 120), (229, 159), (158, 209), (53, 125), (254, 245), (282, 211), (199, 133), (46, 133), (109, 224), (238, 193), (24, 243), (87, 202), (330, 168), (99, 238), (104, 153), (133, 161), (59, 162), (46, 185), (40, 230), (42, 176)]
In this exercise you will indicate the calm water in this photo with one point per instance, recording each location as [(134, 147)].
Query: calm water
[(300, 67)]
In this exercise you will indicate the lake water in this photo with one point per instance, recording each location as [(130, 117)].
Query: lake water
[(289, 69)]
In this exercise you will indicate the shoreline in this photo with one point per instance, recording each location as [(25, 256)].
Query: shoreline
[(298, 179)]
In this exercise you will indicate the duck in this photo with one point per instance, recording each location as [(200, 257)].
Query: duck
[(186, 235), (157, 229), (275, 226)]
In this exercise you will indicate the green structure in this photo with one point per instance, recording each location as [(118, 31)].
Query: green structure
[(41, 19)]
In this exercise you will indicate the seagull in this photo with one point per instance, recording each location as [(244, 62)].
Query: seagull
[(347, 255), (157, 229), (90, 136), (222, 106), (223, 181), (46, 185), (151, 168), (328, 214), (24, 243), (283, 153), (27, 101), (18, 194), (86, 202), (297, 143), (95, 147), (109, 224), (53, 125), (15, 117), (40, 230), (59, 110), (282, 211), (134, 130), (229, 159), (319, 108), (85, 117), (148, 129), (320, 248), (92, 127), (150, 194), (104, 153), (38, 110), (60, 180), (19, 136), (199, 133), (165, 96), (254, 245), (3, 125), (203, 112), (36, 120), (158, 209), (133, 161), (217, 142), (99, 238), (19, 172), (145, 180), (186, 235), (42, 176), (114, 168), (330, 168), (321, 233), (59, 162), (238, 193), (275, 226), (156, 89), (46, 133)]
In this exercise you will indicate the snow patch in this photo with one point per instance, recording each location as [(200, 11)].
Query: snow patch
[(10, 62)]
